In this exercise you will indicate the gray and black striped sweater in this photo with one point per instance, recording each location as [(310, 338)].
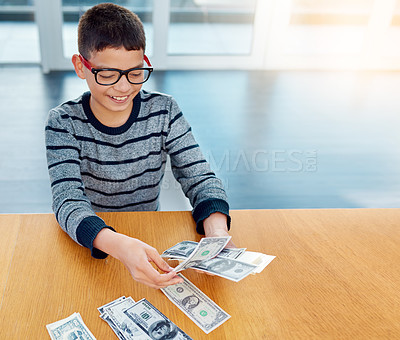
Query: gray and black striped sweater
[(93, 167)]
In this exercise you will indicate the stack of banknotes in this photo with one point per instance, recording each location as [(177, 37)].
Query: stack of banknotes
[(209, 255), (140, 320), (71, 327)]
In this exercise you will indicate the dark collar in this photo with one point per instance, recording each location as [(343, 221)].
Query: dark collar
[(106, 129)]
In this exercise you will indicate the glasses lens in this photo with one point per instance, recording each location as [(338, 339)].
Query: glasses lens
[(107, 77), (138, 76)]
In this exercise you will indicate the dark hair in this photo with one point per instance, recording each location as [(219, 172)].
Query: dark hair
[(109, 25)]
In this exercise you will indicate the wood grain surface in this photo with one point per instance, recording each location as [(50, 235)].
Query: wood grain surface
[(9, 227), (336, 274)]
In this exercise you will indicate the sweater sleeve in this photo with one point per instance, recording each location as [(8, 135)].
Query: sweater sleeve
[(190, 168), (71, 207)]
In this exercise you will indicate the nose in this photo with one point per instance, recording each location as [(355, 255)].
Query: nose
[(123, 85)]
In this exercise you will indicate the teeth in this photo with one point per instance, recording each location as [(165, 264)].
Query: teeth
[(119, 98)]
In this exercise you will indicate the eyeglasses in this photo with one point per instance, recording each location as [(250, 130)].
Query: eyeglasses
[(111, 76)]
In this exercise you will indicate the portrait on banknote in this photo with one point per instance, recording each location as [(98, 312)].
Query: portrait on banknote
[(162, 330), (190, 301), (221, 265)]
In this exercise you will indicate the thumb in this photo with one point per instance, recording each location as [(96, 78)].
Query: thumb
[(159, 262)]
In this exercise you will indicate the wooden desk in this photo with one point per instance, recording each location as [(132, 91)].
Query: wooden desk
[(336, 275)]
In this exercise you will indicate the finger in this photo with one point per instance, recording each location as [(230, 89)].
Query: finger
[(158, 261), (154, 277), (174, 280)]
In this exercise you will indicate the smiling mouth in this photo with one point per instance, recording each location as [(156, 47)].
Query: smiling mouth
[(120, 99)]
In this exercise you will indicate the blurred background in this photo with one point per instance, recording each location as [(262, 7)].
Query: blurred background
[(293, 102)]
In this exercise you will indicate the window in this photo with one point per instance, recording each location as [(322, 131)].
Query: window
[(18, 32), (219, 34), (73, 9), (211, 27), (333, 34)]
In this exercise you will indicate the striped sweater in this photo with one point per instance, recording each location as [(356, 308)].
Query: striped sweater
[(93, 167)]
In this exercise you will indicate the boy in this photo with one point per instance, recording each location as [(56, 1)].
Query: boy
[(106, 150)]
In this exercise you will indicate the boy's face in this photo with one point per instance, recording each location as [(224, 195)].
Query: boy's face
[(117, 99)]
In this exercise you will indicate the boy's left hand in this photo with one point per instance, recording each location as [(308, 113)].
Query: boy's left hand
[(215, 226)]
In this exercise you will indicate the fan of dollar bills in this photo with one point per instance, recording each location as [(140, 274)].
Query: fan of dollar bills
[(209, 255)]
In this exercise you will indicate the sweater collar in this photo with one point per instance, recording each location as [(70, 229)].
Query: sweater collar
[(107, 129)]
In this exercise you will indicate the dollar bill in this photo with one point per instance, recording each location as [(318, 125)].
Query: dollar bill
[(230, 269), (181, 250), (123, 326), (71, 327), (207, 248), (154, 323), (184, 249), (113, 326), (109, 304), (104, 315), (204, 312), (232, 253)]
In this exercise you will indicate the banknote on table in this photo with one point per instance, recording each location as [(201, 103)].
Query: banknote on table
[(114, 328), (71, 327), (204, 312), (154, 323), (184, 249), (121, 324), (104, 315), (230, 269), (109, 304), (259, 259), (207, 248)]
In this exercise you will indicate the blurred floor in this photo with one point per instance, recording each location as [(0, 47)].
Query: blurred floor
[(276, 139)]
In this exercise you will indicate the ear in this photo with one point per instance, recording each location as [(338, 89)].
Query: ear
[(76, 61)]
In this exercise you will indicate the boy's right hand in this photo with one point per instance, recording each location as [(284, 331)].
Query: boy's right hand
[(137, 257)]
